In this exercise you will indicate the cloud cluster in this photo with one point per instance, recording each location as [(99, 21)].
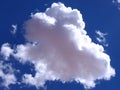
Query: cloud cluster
[(60, 49), (7, 75), (6, 70)]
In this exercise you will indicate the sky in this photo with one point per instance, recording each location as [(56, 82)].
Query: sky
[(59, 45)]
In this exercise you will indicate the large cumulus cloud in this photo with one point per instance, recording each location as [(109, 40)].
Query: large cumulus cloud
[(60, 49)]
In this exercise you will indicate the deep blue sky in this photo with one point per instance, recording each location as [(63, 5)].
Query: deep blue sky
[(100, 15)]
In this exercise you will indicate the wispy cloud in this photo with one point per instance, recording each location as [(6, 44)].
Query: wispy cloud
[(101, 38), (117, 3), (14, 28)]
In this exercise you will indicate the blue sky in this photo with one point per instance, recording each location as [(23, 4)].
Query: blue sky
[(102, 16)]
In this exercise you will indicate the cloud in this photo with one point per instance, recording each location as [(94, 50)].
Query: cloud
[(6, 51), (14, 28), (117, 3), (7, 75), (60, 49), (101, 37)]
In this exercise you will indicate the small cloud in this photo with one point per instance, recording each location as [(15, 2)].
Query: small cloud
[(117, 3), (14, 28), (101, 38)]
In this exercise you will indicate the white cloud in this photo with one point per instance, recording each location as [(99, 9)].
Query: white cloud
[(14, 28), (7, 75), (6, 70), (60, 49), (6, 51), (63, 51), (101, 38)]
